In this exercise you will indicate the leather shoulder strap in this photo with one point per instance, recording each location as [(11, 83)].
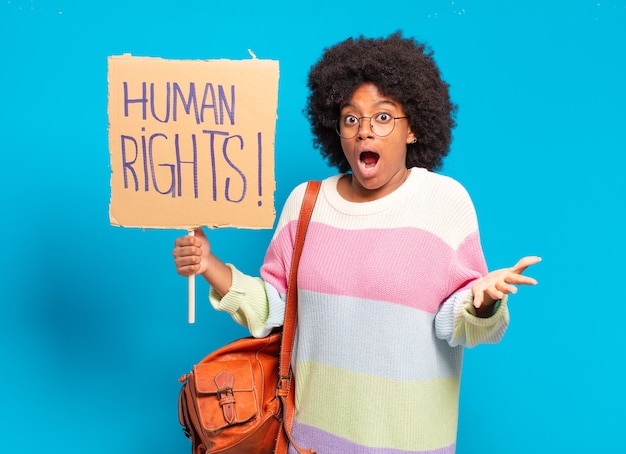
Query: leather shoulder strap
[(285, 389), (291, 307)]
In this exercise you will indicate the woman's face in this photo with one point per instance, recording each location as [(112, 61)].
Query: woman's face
[(378, 163)]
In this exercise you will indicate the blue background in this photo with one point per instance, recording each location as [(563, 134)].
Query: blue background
[(93, 321)]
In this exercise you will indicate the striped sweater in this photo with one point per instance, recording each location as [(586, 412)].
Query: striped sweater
[(384, 312)]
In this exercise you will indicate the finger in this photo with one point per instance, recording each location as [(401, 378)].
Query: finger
[(188, 270), (186, 240), (185, 259), (524, 263), (187, 265), (495, 293), (478, 299), (520, 279), (504, 287), (187, 251)]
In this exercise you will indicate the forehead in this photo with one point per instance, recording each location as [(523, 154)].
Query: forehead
[(368, 96)]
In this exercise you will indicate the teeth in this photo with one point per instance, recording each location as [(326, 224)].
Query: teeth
[(368, 165), (369, 158)]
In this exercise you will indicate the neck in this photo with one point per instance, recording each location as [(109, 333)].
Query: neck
[(351, 190)]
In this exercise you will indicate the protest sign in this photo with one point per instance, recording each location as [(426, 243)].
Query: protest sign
[(192, 142)]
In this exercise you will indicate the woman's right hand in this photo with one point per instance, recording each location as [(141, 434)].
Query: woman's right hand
[(191, 253)]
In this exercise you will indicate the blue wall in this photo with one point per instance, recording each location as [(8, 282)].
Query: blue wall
[(93, 330)]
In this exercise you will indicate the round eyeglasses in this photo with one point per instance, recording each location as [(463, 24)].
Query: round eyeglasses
[(382, 124)]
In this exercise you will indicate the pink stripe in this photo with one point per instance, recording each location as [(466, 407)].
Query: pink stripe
[(277, 262), (407, 266), (470, 261)]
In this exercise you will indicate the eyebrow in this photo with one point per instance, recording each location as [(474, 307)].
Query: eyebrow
[(377, 104)]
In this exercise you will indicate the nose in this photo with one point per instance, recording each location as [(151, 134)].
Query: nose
[(365, 128)]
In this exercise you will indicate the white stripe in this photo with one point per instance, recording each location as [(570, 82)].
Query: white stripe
[(393, 341)]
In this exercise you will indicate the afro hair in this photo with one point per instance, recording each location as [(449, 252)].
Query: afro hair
[(402, 69)]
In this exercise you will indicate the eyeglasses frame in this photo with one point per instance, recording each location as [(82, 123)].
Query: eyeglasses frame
[(337, 127)]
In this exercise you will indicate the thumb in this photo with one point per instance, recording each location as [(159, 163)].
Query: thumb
[(198, 232)]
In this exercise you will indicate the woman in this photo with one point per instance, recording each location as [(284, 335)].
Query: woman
[(392, 282)]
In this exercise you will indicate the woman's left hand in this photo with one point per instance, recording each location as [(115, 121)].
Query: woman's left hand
[(498, 283)]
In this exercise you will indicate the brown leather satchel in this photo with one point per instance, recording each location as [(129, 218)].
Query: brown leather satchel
[(240, 398)]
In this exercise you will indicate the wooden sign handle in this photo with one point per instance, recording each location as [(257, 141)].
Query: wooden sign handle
[(191, 304)]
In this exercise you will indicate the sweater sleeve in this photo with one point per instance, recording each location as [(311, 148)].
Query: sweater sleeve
[(259, 302), (456, 322), (246, 302)]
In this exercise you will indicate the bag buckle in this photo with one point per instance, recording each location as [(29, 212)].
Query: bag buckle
[(224, 382), (284, 382)]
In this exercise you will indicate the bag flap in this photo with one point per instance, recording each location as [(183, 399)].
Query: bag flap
[(226, 408), (205, 373)]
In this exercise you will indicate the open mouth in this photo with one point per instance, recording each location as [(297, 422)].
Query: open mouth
[(369, 158)]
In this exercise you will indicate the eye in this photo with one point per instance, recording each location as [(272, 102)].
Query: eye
[(383, 118), (350, 120)]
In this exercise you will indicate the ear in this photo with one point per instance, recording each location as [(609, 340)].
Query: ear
[(410, 137)]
